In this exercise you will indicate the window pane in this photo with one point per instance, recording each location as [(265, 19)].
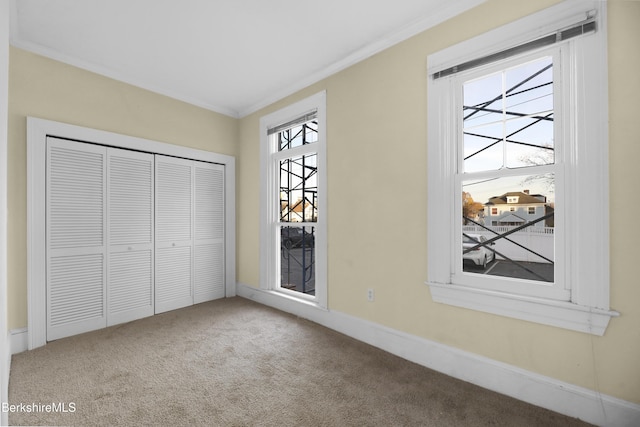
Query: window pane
[(482, 101), (298, 136), (531, 143), (297, 259), (483, 148), (515, 215), (530, 88), (508, 118), (299, 189)]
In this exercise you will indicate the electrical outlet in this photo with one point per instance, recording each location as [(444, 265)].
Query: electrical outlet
[(370, 294)]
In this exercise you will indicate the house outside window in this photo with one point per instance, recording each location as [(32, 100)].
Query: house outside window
[(522, 209), (515, 122)]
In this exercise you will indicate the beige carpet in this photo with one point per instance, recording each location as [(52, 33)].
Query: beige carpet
[(233, 362)]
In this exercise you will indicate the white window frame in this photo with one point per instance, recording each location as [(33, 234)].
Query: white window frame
[(556, 289), (584, 244), (269, 200)]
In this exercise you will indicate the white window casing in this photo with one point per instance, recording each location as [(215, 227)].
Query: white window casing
[(581, 299), (291, 115)]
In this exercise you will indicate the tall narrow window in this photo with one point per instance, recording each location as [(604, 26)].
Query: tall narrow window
[(293, 207), (298, 199)]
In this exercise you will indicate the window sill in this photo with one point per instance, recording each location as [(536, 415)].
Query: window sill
[(302, 307), (296, 296), (547, 312)]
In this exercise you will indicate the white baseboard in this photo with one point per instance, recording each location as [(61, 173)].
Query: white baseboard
[(18, 340), (539, 390)]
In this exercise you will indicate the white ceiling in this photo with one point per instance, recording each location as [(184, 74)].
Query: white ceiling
[(229, 56)]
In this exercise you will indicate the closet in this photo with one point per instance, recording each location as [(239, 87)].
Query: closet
[(129, 234)]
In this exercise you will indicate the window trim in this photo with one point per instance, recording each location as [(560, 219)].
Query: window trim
[(269, 250), (587, 269)]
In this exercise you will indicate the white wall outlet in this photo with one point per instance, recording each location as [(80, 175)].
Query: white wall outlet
[(370, 294)]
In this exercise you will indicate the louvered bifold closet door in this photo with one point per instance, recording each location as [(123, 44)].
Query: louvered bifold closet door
[(76, 237), (130, 281), (174, 231), (209, 232)]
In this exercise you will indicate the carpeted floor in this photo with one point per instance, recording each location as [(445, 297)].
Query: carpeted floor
[(233, 362)]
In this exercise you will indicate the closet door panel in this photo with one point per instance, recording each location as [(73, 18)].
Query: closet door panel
[(75, 295), (173, 200), (173, 278), (76, 238), (130, 288), (209, 272), (174, 233), (130, 281), (209, 201), (209, 232)]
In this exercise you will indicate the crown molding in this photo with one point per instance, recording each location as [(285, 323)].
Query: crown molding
[(450, 10), (447, 11), (46, 52)]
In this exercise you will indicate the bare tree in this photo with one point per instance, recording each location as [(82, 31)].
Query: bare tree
[(545, 155)]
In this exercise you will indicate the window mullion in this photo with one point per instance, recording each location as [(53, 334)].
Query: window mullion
[(504, 118), (294, 152)]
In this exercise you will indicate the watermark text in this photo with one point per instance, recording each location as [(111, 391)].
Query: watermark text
[(62, 407)]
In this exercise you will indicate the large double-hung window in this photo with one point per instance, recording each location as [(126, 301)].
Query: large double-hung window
[(293, 203), (518, 173), (506, 160)]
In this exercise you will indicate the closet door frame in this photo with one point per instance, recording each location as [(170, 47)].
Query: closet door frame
[(37, 132)]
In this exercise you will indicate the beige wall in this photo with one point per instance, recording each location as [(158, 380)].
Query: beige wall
[(376, 150), (48, 89), (377, 160)]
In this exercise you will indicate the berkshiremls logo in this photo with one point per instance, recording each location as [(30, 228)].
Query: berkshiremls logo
[(40, 407)]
